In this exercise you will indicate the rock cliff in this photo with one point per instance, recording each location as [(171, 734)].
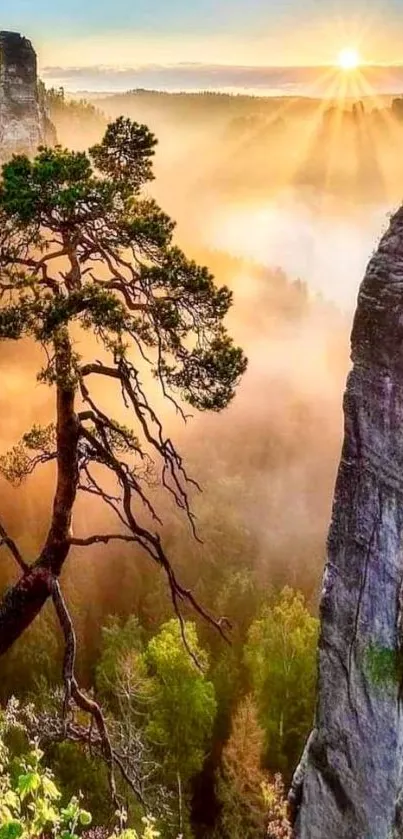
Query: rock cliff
[(24, 124), (349, 784)]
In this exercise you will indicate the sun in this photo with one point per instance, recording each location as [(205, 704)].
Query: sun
[(348, 59)]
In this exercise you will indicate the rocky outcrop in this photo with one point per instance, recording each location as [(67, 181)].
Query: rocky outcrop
[(349, 784), (24, 124)]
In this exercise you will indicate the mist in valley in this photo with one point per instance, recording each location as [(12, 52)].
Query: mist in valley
[(284, 200), (275, 222)]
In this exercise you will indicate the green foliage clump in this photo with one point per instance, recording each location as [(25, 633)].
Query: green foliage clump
[(75, 769), (149, 832), (36, 446), (119, 644), (181, 718), (162, 679), (159, 690), (281, 656), (125, 153), (30, 801)]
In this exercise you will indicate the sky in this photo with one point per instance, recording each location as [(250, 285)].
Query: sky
[(122, 43)]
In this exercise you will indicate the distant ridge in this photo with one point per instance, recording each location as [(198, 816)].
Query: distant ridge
[(272, 81)]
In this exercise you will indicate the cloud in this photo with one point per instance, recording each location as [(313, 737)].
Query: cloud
[(309, 81)]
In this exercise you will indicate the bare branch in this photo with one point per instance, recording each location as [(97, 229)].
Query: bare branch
[(72, 690), (129, 754), (14, 550), (92, 487), (151, 543), (103, 539), (173, 473), (104, 453)]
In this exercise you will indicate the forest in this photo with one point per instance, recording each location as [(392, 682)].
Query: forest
[(348, 146), (208, 698)]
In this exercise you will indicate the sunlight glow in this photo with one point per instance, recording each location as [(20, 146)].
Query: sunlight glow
[(348, 59)]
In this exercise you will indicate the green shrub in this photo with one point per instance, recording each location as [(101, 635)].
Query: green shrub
[(30, 801)]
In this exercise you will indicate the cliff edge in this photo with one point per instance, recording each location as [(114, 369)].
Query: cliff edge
[(349, 784), (24, 124)]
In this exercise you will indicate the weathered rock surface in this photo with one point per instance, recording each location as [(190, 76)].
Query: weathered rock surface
[(24, 124), (349, 784)]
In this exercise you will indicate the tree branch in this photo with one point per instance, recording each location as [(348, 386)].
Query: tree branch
[(14, 550), (72, 690), (103, 539), (173, 472), (151, 543)]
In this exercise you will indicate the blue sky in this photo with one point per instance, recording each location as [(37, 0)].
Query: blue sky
[(133, 34), (168, 16), (51, 18)]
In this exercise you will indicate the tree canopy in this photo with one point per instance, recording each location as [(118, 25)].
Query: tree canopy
[(164, 701), (281, 656), (183, 715)]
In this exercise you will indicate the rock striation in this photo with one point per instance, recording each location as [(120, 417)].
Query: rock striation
[(349, 783), (24, 124)]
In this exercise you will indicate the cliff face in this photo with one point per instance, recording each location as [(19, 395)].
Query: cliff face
[(23, 121), (350, 780)]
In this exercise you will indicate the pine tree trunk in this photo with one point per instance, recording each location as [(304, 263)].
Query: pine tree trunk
[(24, 601)]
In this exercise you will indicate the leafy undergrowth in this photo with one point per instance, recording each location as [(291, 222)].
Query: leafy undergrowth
[(30, 803)]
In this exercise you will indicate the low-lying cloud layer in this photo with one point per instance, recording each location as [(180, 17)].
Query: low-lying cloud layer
[(309, 81)]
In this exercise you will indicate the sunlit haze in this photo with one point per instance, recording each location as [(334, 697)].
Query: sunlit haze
[(209, 45), (200, 244), (349, 59)]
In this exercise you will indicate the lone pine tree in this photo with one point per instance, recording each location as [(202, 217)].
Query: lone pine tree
[(82, 249)]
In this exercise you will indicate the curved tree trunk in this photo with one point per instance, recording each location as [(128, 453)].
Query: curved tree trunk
[(24, 601), (348, 784)]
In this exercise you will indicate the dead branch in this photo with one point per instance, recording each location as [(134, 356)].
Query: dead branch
[(72, 690), (151, 543), (14, 550), (101, 539)]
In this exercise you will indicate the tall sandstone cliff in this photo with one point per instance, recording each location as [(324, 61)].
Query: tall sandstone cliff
[(349, 784), (24, 124)]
